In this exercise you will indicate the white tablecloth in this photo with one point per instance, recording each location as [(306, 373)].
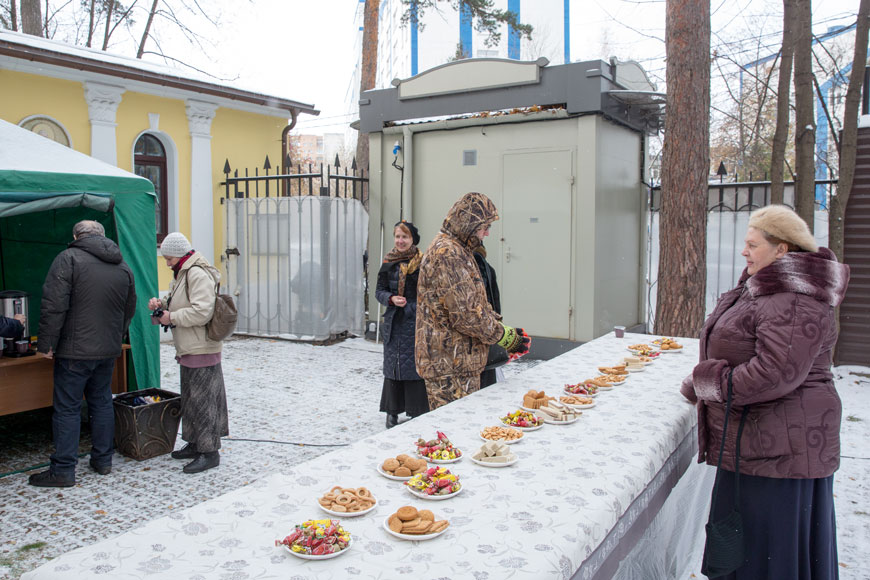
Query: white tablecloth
[(541, 518)]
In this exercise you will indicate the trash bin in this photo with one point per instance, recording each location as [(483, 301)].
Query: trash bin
[(148, 430)]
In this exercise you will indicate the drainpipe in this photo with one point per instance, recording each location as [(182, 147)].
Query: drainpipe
[(407, 174), (285, 139)]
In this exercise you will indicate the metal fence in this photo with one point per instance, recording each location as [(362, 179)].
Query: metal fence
[(728, 209), (295, 250)]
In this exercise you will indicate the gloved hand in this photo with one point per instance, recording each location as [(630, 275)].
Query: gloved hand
[(515, 341)]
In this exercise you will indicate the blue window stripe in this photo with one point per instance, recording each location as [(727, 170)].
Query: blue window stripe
[(465, 31), (513, 35), (567, 31)]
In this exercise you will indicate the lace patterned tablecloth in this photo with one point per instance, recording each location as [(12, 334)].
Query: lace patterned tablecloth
[(540, 518)]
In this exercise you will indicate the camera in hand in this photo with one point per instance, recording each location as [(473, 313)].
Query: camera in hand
[(157, 314)]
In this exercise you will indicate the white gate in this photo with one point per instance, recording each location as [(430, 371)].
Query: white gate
[(295, 265)]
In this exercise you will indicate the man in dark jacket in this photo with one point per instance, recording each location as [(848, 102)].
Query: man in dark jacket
[(11, 327), (88, 301)]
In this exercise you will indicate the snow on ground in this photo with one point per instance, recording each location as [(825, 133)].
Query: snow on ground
[(304, 400)]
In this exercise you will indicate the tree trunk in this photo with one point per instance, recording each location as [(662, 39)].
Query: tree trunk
[(849, 140), (13, 15), (805, 123), (31, 18), (91, 23), (685, 167), (147, 30), (783, 104), (368, 71), (107, 32)]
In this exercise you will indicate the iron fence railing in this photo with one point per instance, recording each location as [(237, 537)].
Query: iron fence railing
[(322, 180)]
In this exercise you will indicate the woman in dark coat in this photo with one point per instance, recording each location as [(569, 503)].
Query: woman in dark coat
[(774, 334), (403, 389), (488, 376)]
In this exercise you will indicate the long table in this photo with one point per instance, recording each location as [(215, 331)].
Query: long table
[(27, 382), (573, 505)]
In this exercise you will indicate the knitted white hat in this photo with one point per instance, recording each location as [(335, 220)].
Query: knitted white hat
[(175, 245), (782, 222)]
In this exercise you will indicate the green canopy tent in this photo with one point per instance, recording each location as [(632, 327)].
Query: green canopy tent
[(45, 188)]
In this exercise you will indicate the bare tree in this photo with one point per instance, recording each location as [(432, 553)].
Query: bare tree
[(783, 101), (368, 70), (145, 33), (685, 166), (805, 123), (31, 18), (848, 146), (91, 18)]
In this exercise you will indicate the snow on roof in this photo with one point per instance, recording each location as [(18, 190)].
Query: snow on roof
[(71, 57), (23, 150)]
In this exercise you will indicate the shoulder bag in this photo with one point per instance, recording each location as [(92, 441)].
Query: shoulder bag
[(223, 318), (724, 550)]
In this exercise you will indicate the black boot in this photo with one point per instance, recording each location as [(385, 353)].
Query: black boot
[(203, 461), (186, 452), (392, 420)]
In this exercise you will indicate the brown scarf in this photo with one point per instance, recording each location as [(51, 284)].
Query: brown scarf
[(413, 257)]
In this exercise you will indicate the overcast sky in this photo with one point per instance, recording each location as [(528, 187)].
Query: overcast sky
[(307, 51)]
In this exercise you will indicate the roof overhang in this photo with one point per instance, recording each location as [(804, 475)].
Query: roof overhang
[(58, 60)]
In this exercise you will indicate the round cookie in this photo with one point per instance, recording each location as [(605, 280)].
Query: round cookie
[(406, 513)]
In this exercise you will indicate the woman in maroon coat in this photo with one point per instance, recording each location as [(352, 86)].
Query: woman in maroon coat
[(775, 332)]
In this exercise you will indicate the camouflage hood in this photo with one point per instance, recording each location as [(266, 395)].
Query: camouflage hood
[(473, 211)]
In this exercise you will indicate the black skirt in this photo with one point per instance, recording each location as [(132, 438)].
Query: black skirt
[(407, 396), (789, 526)]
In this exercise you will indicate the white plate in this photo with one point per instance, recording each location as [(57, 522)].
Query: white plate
[(393, 477), (554, 422), (524, 428), (416, 537), (416, 493), (616, 384), (530, 410), (505, 441), (488, 464), (607, 388), (640, 370), (324, 557), (440, 460), (669, 351), (580, 407), (637, 350), (348, 514), (582, 395)]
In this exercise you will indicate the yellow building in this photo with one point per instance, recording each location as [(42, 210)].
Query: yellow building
[(178, 130)]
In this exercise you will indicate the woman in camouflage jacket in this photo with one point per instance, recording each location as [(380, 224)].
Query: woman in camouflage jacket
[(455, 322)]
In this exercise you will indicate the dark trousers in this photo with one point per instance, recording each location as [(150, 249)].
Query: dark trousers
[(72, 380)]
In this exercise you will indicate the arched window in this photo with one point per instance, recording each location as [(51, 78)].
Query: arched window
[(149, 161)]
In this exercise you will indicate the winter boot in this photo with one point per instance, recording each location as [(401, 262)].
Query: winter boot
[(392, 420), (186, 452), (203, 461)]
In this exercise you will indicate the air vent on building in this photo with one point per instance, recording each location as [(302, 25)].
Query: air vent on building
[(469, 157)]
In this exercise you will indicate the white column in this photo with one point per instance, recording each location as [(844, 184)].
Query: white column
[(103, 101), (199, 118)]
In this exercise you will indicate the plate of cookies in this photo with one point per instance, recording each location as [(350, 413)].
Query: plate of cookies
[(578, 401), (669, 345), (507, 435), (347, 502), (409, 523), (402, 467)]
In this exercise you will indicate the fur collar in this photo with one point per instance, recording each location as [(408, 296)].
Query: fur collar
[(814, 274)]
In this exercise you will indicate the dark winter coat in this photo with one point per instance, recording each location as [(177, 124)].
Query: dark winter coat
[(487, 273), (399, 323), (776, 331), (455, 322), (88, 300), (10, 328)]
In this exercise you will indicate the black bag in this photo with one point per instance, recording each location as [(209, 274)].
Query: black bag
[(724, 550), (223, 318), (497, 357)]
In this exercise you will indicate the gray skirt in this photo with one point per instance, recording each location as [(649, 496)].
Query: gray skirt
[(204, 417)]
